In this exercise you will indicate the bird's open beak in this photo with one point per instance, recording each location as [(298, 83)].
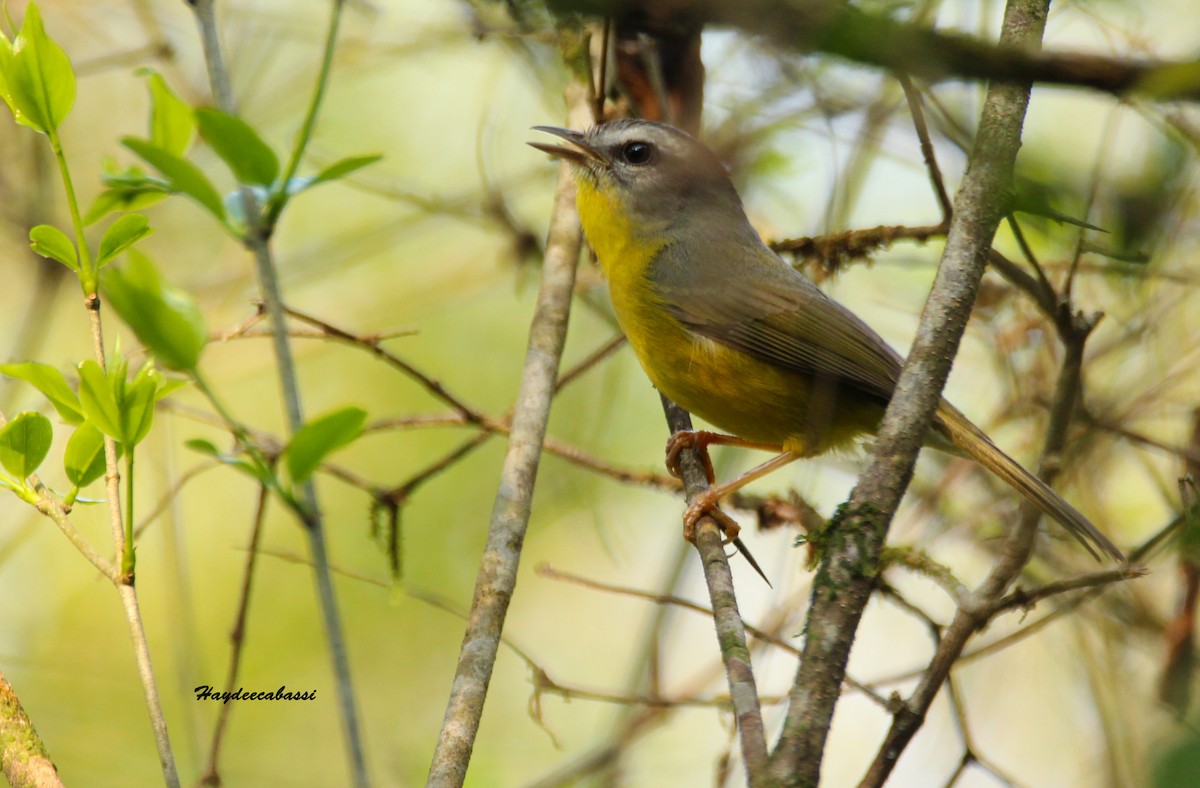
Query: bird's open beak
[(581, 153)]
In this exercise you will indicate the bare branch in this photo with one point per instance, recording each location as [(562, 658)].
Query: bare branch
[(846, 577), (498, 567)]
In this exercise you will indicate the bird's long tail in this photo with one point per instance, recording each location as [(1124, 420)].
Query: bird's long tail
[(975, 444)]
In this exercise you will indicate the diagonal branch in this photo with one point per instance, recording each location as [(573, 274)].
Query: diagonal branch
[(847, 576)]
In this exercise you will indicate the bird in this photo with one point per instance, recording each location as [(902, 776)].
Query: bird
[(727, 329)]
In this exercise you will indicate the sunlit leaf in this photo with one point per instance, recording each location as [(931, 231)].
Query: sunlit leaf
[(339, 169), (124, 199), (172, 124), (98, 401), (167, 387), (249, 467), (137, 408), (39, 83), (24, 442), (83, 459), (53, 385), (52, 242), (120, 235)]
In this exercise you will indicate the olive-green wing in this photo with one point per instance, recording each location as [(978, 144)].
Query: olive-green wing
[(756, 303)]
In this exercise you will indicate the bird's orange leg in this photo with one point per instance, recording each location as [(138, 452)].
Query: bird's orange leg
[(700, 440), (707, 501)]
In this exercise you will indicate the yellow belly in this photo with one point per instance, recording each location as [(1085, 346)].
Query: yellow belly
[(740, 394), (732, 391)]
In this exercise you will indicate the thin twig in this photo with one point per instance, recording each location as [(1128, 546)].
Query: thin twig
[(373, 345), (545, 570), (935, 173), (53, 508), (1025, 599), (237, 638), (594, 358), (125, 587)]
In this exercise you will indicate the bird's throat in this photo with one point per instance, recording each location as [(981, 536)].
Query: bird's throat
[(622, 249)]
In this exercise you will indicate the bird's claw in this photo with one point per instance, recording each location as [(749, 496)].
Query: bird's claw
[(689, 439), (706, 504)]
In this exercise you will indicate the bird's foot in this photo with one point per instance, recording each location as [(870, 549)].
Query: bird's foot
[(691, 439), (706, 504)]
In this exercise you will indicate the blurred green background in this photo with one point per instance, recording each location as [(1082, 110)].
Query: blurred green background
[(447, 91)]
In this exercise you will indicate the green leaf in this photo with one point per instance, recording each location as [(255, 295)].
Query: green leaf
[(172, 124), (52, 242), (124, 199), (137, 408), (339, 169), (203, 446), (167, 387), (122, 409), (181, 174), (98, 400), (239, 146), (53, 385), (129, 189), (39, 83), (166, 320), (83, 459), (120, 235), (24, 442), (319, 438)]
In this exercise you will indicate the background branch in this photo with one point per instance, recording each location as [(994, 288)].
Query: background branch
[(497, 577), (847, 575)]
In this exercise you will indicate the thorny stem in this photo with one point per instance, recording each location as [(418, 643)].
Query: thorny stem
[(684, 98), (731, 630)]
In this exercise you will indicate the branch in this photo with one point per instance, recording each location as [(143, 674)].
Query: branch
[(764, 635), (847, 576), (1023, 599), (237, 638), (497, 577), (844, 30), (260, 223), (23, 754), (834, 250)]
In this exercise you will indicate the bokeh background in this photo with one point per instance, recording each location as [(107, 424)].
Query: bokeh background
[(442, 238)]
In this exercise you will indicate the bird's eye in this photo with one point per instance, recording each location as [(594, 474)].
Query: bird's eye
[(638, 153)]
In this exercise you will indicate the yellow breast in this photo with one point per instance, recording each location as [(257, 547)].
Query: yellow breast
[(732, 390)]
